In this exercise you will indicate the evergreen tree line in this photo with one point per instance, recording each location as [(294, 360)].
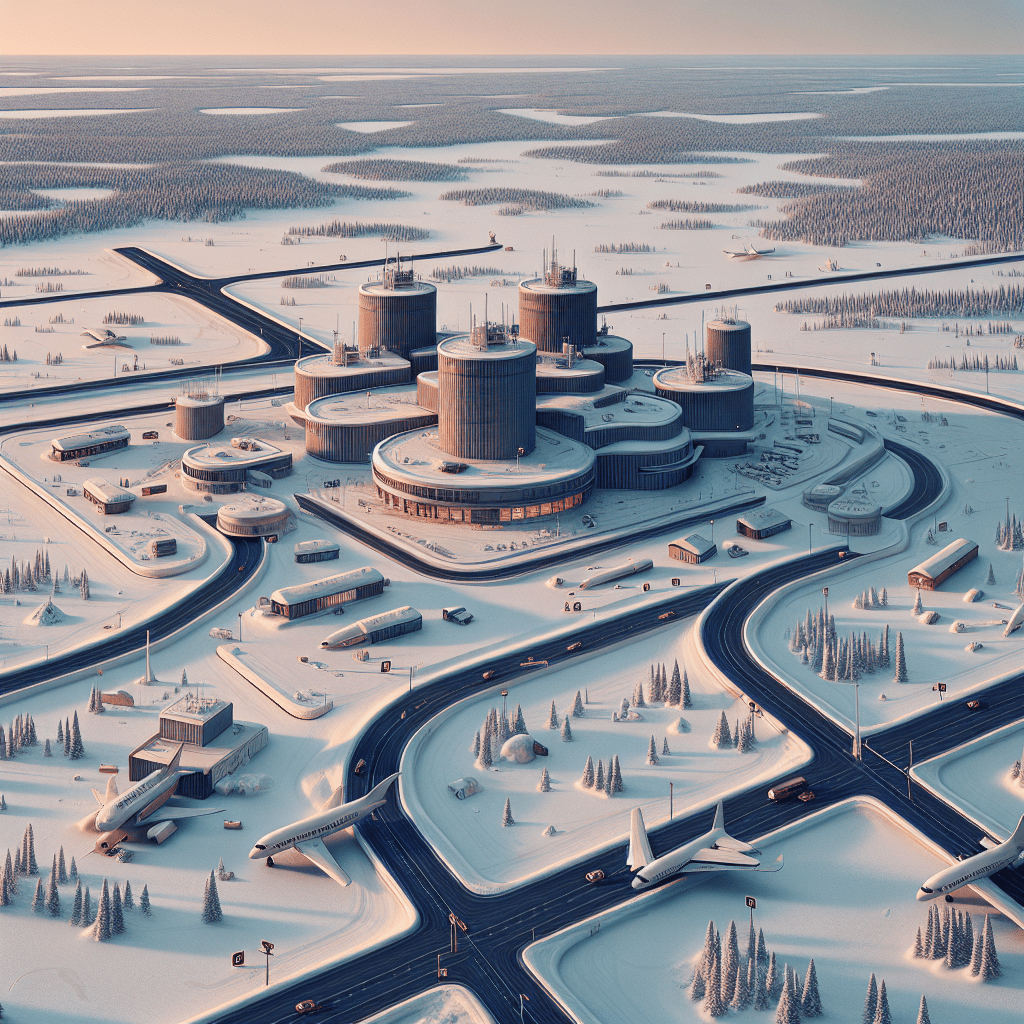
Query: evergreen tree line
[(974, 363), (165, 339), (658, 174), (725, 979), (20, 736), (29, 576), (49, 272), (305, 281), (398, 170), (124, 319), (357, 229), (685, 206), (607, 193), (184, 191), (456, 273), (527, 198), (1010, 534), (49, 287), (951, 938), (624, 247), (791, 189), (910, 302), (687, 224)]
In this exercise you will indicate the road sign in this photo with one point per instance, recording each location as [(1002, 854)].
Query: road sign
[(238, 959), (824, 590), (751, 902), (267, 947), (943, 527), (647, 587), (941, 687), (385, 666), (675, 581)]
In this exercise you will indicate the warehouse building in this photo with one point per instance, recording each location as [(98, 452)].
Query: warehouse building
[(692, 548), (84, 446), (760, 523), (107, 498), (934, 571)]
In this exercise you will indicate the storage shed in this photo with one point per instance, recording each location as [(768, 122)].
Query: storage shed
[(692, 548), (759, 523), (933, 572)]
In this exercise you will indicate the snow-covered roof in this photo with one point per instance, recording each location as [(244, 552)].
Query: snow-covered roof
[(538, 284), (942, 560), (316, 545), (855, 508), (675, 378), (323, 365), (253, 509), (382, 405), (108, 493), (214, 455), (763, 518), (112, 433), (648, 410), (461, 347), (363, 577), (695, 544)]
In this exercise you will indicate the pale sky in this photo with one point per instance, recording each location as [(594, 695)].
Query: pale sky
[(346, 27)]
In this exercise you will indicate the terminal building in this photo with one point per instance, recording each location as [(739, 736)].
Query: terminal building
[(255, 516), (226, 468), (215, 744), (85, 446)]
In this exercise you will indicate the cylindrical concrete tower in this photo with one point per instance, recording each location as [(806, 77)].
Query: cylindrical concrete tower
[(487, 395), (728, 344), (398, 313), (198, 415), (556, 308)]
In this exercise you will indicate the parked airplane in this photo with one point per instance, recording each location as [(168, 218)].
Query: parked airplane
[(143, 806), (748, 252), (715, 851), (307, 836), (993, 858)]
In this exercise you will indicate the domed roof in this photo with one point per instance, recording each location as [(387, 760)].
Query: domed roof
[(518, 749)]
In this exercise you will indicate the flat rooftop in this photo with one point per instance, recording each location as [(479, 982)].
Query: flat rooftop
[(460, 347), (378, 406), (323, 365), (675, 378), (538, 284), (195, 758), (220, 455), (253, 507), (416, 455), (649, 410)]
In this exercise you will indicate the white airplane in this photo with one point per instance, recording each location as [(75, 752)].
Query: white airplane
[(993, 858), (307, 836), (748, 252), (715, 851), (143, 806)]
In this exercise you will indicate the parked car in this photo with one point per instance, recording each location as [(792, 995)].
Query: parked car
[(459, 615), (735, 551)]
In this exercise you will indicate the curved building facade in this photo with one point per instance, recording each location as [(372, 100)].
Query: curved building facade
[(255, 517), (198, 416), (320, 375), (224, 469), (558, 308), (727, 344), (487, 395), (398, 316), (721, 402)]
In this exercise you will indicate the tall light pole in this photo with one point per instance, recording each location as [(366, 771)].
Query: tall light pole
[(810, 526), (824, 590), (239, 627), (856, 735), (712, 531), (300, 337)]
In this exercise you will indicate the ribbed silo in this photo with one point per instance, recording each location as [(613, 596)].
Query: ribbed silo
[(487, 397), (400, 317), (722, 401), (558, 308), (727, 343), (198, 415)]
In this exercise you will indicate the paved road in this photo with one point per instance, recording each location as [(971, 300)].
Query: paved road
[(797, 284)]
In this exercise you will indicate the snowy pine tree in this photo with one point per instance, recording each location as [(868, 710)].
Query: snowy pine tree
[(772, 982), (967, 943), (73, 870), (144, 905), (76, 750), (76, 907), (566, 731), (664, 746), (46, 750), (989, 967), (675, 687), (62, 871), (697, 986), (918, 945), (901, 661), (101, 929), (882, 1013), (212, 912), (28, 852), (87, 917), (617, 783), (730, 963), (922, 1013), (52, 892), (810, 1000), (599, 776), (577, 706), (686, 701), (553, 717), (741, 991), (918, 606), (587, 781), (506, 817), (127, 900), (722, 737), (652, 753), (713, 1003), (476, 744), (38, 900), (116, 915), (544, 786), (638, 695)]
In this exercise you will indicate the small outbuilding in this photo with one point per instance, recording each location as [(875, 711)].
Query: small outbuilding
[(107, 498), (692, 548), (933, 572), (462, 789), (759, 523), (161, 546)]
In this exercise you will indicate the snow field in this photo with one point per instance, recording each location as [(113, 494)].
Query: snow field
[(468, 835), (844, 898), (205, 339), (445, 1004), (311, 920), (976, 777)]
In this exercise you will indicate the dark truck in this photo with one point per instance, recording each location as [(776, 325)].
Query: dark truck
[(459, 615)]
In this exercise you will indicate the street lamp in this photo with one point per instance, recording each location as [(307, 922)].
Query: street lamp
[(810, 526), (519, 452), (239, 627), (712, 531), (300, 337)]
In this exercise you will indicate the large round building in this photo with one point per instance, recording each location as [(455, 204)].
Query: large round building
[(487, 395), (718, 402), (397, 313), (558, 309), (198, 415), (727, 344)]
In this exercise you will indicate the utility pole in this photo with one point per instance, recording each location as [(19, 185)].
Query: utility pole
[(670, 795), (856, 735)]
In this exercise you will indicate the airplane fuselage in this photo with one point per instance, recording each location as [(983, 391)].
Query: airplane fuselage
[(143, 795), (676, 862), (317, 826), (964, 872)]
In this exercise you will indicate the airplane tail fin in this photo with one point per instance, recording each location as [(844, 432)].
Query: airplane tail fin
[(111, 788), (380, 791), (1018, 834), (719, 816), (337, 798), (640, 853), (172, 765)]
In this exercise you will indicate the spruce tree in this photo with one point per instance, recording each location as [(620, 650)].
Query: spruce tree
[(882, 1013), (772, 981), (566, 731), (521, 729), (484, 759), (38, 900), (76, 750), (760, 989), (587, 781), (599, 776), (86, 909), (990, 967), (675, 687), (116, 916), (953, 943), (476, 744), (708, 952), (52, 892), (60, 732), (544, 786), (922, 1013), (664, 746), (918, 945), (741, 992), (126, 897), (697, 987), (784, 1012), (652, 753), (577, 706), (967, 945), (46, 750), (73, 870), (62, 871), (638, 695), (730, 963), (506, 817), (144, 905), (28, 861), (714, 1006), (810, 1000), (553, 717), (990, 581), (686, 701), (722, 737), (101, 929), (76, 907), (211, 899), (901, 661), (918, 607)]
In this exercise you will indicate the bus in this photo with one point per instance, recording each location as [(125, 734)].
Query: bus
[(316, 550), (787, 789), (376, 628), (331, 593)]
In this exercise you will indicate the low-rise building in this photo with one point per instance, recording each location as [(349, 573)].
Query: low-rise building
[(933, 572), (760, 523), (109, 499), (692, 548)]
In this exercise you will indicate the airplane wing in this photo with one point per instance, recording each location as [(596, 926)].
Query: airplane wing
[(778, 865), (728, 843), (315, 852), (167, 813), (730, 252), (711, 859), (640, 854)]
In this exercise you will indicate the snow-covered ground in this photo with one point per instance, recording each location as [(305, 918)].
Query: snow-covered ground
[(468, 834), (186, 964), (977, 777), (446, 1004), (844, 897)]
